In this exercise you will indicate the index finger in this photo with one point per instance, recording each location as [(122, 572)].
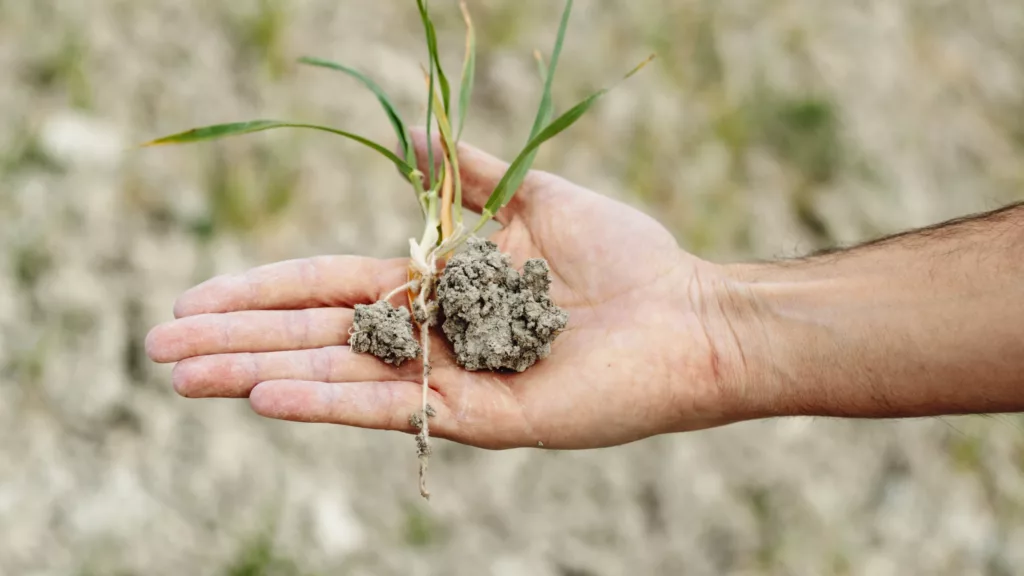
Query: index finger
[(319, 282)]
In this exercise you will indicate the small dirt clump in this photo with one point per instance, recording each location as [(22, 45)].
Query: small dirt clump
[(384, 331), (416, 418), (496, 318)]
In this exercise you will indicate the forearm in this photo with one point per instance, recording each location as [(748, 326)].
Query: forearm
[(926, 323)]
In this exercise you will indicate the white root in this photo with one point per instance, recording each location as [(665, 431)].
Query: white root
[(424, 262), (413, 285), (423, 438)]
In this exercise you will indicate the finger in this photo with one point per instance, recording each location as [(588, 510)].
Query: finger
[(374, 405), (235, 375), (251, 331), (325, 281), (480, 172)]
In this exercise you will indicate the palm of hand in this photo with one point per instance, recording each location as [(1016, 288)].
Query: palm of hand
[(634, 361)]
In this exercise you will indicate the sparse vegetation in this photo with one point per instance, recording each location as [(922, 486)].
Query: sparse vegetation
[(27, 154), (246, 191), (259, 29), (258, 557), (421, 529), (64, 68)]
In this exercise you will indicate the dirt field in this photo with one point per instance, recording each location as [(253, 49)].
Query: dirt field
[(764, 129)]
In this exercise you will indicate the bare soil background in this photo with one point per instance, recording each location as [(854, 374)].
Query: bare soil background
[(765, 128)]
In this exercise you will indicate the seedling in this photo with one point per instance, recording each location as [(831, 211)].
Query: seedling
[(483, 339)]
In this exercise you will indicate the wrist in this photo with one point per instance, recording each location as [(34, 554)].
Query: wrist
[(780, 347), (735, 311), (740, 329)]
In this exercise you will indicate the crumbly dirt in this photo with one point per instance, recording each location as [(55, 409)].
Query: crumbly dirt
[(416, 418), (496, 318), (384, 331)]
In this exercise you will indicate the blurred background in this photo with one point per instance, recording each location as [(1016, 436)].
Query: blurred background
[(765, 129)]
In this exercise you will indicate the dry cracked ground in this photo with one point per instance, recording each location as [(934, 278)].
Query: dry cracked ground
[(766, 128)]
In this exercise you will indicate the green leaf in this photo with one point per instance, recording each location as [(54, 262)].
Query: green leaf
[(401, 129), (516, 173), (542, 67), (544, 112), (428, 26), (468, 71), (430, 124), (436, 72), (239, 128)]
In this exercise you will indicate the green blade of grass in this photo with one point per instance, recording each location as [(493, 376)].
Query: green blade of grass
[(239, 128), (516, 173), (542, 70), (545, 118), (430, 125), (428, 26), (544, 112), (445, 127), (468, 73), (436, 75), (546, 109), (542, 66), (401, 129)]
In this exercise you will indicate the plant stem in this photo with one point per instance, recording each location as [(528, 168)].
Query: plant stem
[(447, 194), (416, 179), (433, 219)]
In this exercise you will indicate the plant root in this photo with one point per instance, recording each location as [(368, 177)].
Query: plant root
[(423, 448), (425, 315), (416, 418), (412, 285), (497, 318)]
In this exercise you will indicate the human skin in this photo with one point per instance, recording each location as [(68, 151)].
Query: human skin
[(659, 341), (929, 322)]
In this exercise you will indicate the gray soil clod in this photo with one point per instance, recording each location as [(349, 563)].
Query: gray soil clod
[(384, 331), (496, 318)]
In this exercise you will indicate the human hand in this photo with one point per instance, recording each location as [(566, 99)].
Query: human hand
[(647, 349)]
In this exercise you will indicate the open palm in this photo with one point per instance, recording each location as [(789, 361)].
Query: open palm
[(638, 357)]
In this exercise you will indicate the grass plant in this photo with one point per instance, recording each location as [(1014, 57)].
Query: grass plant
[(439, 191)]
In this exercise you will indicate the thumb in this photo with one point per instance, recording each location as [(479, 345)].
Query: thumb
[(480, 173)]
